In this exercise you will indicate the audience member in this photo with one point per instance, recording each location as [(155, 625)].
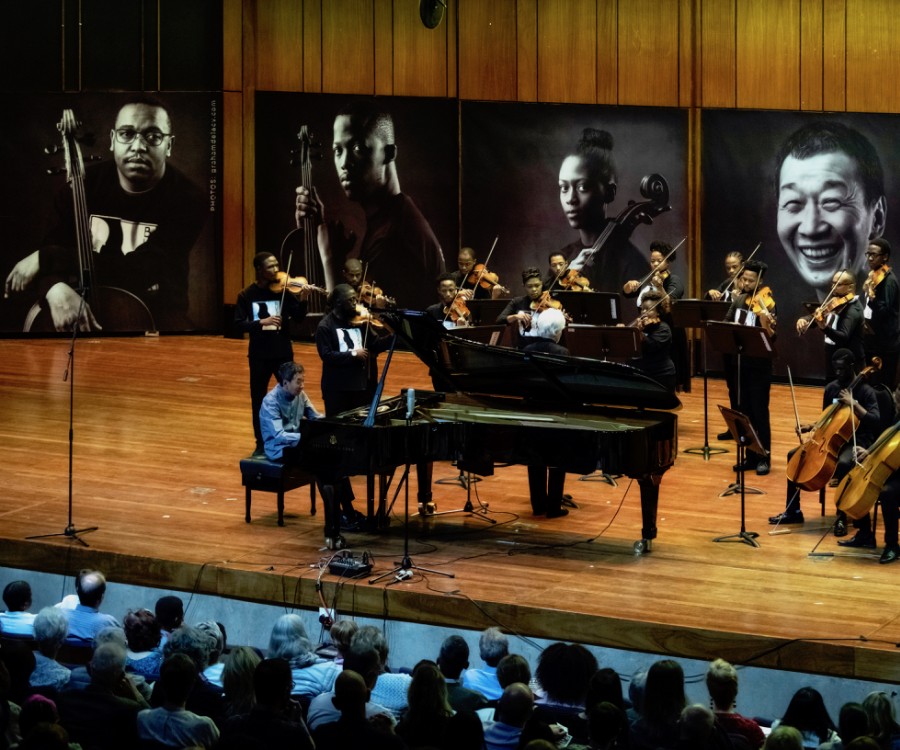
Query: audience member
[(367, 664), (863, 743), (605, 686), (237, 679), (205, 698), (429, 720), (86, 619), (169, 612), (172, 724), (17, 620), (698, 730), (853, 722), (452, 660), (143, 654), (492, 647), (636, 687), (663, 701), (50, 630), (276, 720), (882, 722), (607, 726), (354, 729), (722, 684), (312, 674), (784, 738), (390, 688), (514, 708), (46, 736), (81, 677), (563, 673), (99, 716), (19, 660), (807, 713), (512, 668), (39, 726), (216, 631), (342, 632)]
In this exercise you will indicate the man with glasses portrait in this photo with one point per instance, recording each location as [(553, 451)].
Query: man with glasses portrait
[(144, 217)]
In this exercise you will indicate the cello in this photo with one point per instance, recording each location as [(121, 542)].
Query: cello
[(312, 262), (113, 308), (859, 490), (814, 463)]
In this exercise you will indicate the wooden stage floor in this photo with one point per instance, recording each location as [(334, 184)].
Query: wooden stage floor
[(161, 423)]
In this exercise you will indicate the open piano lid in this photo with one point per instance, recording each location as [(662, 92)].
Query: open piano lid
[(477, 368)]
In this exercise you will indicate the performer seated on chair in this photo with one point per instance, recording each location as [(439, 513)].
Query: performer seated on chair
[(282, 411), (864, 402)]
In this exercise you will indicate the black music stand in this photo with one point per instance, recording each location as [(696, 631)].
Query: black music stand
[(602, 342), (742, 431), (693, 313), (740, 340), (591, 308), (485, 311)]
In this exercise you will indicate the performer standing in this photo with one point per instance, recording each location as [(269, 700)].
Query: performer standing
[(656, 341), (882, 317), (753, 305), (259, 312), (723, 292), (840, 319)]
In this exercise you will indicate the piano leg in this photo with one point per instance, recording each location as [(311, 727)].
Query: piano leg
[(649, 504)]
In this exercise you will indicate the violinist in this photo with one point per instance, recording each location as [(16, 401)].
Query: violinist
[(723, 292), (526, 312), (259, 312), (864, 402), (881, 296), (656, 341), (451, 311), (353, 273), (753, 305), (840, 318), (587, 185), (470, 289)]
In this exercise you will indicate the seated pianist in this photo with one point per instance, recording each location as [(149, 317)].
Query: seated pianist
[(282, 411)]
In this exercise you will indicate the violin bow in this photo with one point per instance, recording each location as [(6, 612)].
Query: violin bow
[(794, 402), (743, 265), (487, 260), (669, 255), (652, 308)]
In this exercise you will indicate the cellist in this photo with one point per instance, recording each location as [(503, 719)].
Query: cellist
[(753, 305), (864, 402), (840, 318)]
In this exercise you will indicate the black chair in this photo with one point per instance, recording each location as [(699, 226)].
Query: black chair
[(259, 473)]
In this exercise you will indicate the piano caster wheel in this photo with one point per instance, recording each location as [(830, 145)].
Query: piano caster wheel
[(641, 547), (335, 543)]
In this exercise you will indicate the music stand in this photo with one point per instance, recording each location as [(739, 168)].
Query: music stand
[(591, 308), (745, 436), (485, 311), (693, 313), (740, 340), (602, 342)]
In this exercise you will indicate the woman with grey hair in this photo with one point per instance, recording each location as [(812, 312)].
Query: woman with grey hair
[(50, 630), (312, 675)]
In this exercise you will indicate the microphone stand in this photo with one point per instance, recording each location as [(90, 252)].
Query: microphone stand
[(404, 569), (70, 532)]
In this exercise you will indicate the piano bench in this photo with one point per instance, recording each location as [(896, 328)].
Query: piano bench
[(259, 473)]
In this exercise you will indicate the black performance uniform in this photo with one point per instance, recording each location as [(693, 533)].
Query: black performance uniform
[(882, 327), (844, 330), (611, 266), (656, 358)]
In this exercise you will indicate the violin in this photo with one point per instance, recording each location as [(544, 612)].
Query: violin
[(814, 463), (457, 311), (479, 276), (761, 303), (545, 302), (573, 281), (832, 305), (373, 296), (859, 490), (364, 317), (296, 285), (874, 279)]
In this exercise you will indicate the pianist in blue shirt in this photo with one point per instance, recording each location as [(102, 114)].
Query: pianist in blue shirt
[(282, 410)]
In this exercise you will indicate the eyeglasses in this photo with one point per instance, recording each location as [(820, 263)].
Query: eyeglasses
[(151, 137), (874, 255)]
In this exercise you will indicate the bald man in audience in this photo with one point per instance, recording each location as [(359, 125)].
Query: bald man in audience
[(85, 617)]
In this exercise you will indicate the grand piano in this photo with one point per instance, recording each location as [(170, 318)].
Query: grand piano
[(499, 406)]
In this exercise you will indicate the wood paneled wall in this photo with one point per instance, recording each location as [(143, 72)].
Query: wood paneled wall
[(834, 55)]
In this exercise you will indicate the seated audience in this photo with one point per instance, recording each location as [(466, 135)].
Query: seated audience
[(367, 664), (237, 679), (853, 722), (636, 687), (807, 713), (514, 708), (81, 678), (169, 612), (312, 674), (17, 620), (664, 700), (722, 684), (354, 729), (342, 632), (607, 726), (390, 688), (213, 672), (39, 725), (492, 647), (512, 668), (85, 618), (276, 720), (104, 714), (784, 738), (172, 724), (882, 723), (698, 730), (430, 721), (50, 630), (452, 661), (143, 636), (563, 673), (205, 698), (18, 658)]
